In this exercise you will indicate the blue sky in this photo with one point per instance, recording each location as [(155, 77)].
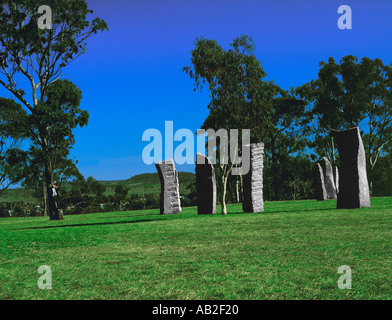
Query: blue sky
[(132, 77)]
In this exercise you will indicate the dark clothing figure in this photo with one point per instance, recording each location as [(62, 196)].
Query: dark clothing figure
[(55, 197)]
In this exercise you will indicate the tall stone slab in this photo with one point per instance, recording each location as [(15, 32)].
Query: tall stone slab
[(205, 185), (253, 181), (353, 183), (329, 180), (321, 192), (337, 180), (170, 194)]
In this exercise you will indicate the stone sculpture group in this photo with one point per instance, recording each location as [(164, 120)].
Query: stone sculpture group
[(353, 183), (170, 193), (205, 185), (348, 185), (253, 180), (326, 189)]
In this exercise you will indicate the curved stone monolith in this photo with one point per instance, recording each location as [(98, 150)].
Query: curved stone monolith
[(353, 183), (205, 185), (253, 181), (321, 192), (329, 180), (170, 195), (337, 180)]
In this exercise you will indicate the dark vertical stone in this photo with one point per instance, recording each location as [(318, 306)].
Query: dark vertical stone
[(205, 185), (353, 183), (329, 180), (170, 195), (321, 192), (253, 181)]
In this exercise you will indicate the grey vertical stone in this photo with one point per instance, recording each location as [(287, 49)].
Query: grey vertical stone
[(170, 194), (253, 181), (337, 180), (353, 183), (205, 185), (321, 192), (329, 180)]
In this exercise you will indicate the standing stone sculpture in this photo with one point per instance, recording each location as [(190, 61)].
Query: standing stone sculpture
[(170, 195), (337, 180), (321, 192), (353, 183), (329, 180), (205, 185), (253, 181)]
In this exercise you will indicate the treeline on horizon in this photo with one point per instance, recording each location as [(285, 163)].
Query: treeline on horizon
[(90, 196), (294, 125)]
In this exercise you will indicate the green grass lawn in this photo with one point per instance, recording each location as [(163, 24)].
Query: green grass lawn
[(291, 251)]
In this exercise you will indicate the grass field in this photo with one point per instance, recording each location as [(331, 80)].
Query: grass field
[(291, 251)]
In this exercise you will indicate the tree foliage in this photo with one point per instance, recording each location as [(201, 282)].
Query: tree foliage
[(12, 133), (38, 56), (352, 93), (242, 99), (233, 78)]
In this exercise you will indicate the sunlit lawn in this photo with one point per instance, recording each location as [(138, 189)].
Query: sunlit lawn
[(291, 251)]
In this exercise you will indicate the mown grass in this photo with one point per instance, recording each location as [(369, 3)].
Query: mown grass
[(291, 251)]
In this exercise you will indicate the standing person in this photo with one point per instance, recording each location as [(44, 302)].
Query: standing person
[(54, 195), (56, 201)]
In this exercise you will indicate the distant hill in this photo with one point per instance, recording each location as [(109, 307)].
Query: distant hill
[(19, 194), (146, 183)]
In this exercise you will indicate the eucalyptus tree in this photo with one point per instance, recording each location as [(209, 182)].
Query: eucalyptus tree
[(12, 134), (233, 78), (352, 93), (32, 60)]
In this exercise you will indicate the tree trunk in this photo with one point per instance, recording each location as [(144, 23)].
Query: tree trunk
[(237, 190), (275, 184), (53, 210), (274, 174), (223, 199), (48, 177), (45, 199), (370, 187), (241, 188)]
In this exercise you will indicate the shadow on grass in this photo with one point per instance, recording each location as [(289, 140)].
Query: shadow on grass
[(283, 211), (90, 224), (128, 215), (301, 210), (166, 218)]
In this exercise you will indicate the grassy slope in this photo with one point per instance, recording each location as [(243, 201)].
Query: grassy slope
[(17, 194), (292, 251), (147, 183), (139, 184)]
